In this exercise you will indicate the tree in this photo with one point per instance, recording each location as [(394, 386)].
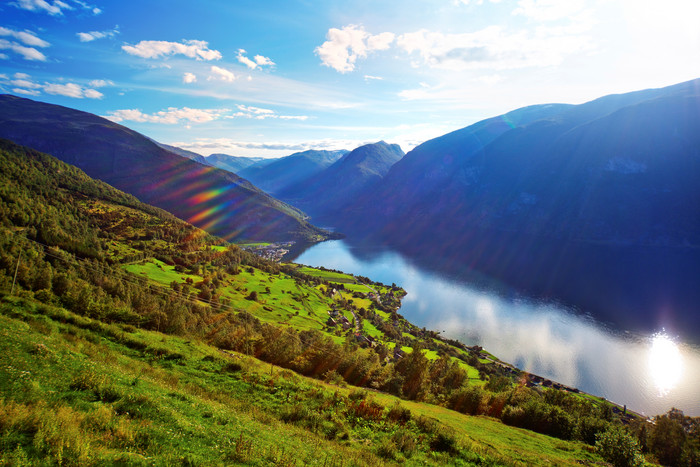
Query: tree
[(667, 440), (619, 448)]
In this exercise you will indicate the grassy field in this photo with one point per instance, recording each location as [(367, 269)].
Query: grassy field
[(75, 391)]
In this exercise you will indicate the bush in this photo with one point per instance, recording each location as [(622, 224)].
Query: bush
[(467, 400), (619, 448), (399, 414), (444, 441)]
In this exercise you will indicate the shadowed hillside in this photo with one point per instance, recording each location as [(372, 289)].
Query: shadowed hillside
[(210, 198)]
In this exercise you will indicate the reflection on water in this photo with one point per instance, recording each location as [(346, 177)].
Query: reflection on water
[(648, 374), (665, 363)]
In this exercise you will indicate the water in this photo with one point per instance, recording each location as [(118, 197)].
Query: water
[(650, 372)]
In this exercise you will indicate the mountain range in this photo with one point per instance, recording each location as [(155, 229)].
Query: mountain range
[(218, 201), (621, 169), (281, 173), (325, 194), (236, 163)]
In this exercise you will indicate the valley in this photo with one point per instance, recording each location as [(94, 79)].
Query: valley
[(146, 311)]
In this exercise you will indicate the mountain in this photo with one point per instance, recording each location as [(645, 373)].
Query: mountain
[(184, 153), (596, 206), (236, 163), (622, 169), (290, 170), (215, 200), (336, 186)]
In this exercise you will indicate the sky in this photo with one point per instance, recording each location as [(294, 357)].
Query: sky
[(270, 78)]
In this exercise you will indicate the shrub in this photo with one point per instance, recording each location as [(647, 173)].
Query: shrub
[(444, 441), (386, 449), (399, 414), (619, 448), (404, 442), (467, 400)]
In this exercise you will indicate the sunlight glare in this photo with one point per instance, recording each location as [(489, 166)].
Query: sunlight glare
[(665, 363)]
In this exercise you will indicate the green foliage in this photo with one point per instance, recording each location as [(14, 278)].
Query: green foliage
[(619, 448)]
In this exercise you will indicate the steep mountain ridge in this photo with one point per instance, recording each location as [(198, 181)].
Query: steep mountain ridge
[(215, 200), (336, 186), (618, 169)]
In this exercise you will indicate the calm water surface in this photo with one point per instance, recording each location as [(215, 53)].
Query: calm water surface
[(649, 373)]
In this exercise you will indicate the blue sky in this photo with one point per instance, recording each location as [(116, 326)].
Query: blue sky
[(269, 78)]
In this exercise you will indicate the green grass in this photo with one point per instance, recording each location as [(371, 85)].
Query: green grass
[(160, 272), (330, 276), (76, 391)]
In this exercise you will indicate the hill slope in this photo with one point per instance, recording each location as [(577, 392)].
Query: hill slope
[(621, 169), (290, 170), (341, 182), (217, 201)]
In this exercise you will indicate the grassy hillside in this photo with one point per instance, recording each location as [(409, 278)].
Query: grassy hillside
[(80, 392), (132, 337)]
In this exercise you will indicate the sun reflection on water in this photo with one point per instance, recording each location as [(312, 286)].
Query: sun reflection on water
[(665, 363)]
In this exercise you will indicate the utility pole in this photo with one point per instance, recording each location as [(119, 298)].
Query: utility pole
[(15, 278)]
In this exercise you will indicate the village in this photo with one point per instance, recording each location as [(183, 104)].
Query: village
[(270, 251)]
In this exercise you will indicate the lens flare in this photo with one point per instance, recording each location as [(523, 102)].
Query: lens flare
[(665, 363)]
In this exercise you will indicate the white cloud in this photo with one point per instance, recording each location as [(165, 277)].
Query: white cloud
[(245, 60), (189, 78), (27, 37), (100, 83), (476, 2), (375, 78), (263, 61), (493, 48), (344, 46), (259, 60), (28, 92), (170, 116), (258, 113), (92, 35), (68, 89), (222, 74), (92, 94), (71, 90), (190, 48), (28, 53), (549, 10), (53, 8), (25, 83), (93, 9), (254, 110)]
